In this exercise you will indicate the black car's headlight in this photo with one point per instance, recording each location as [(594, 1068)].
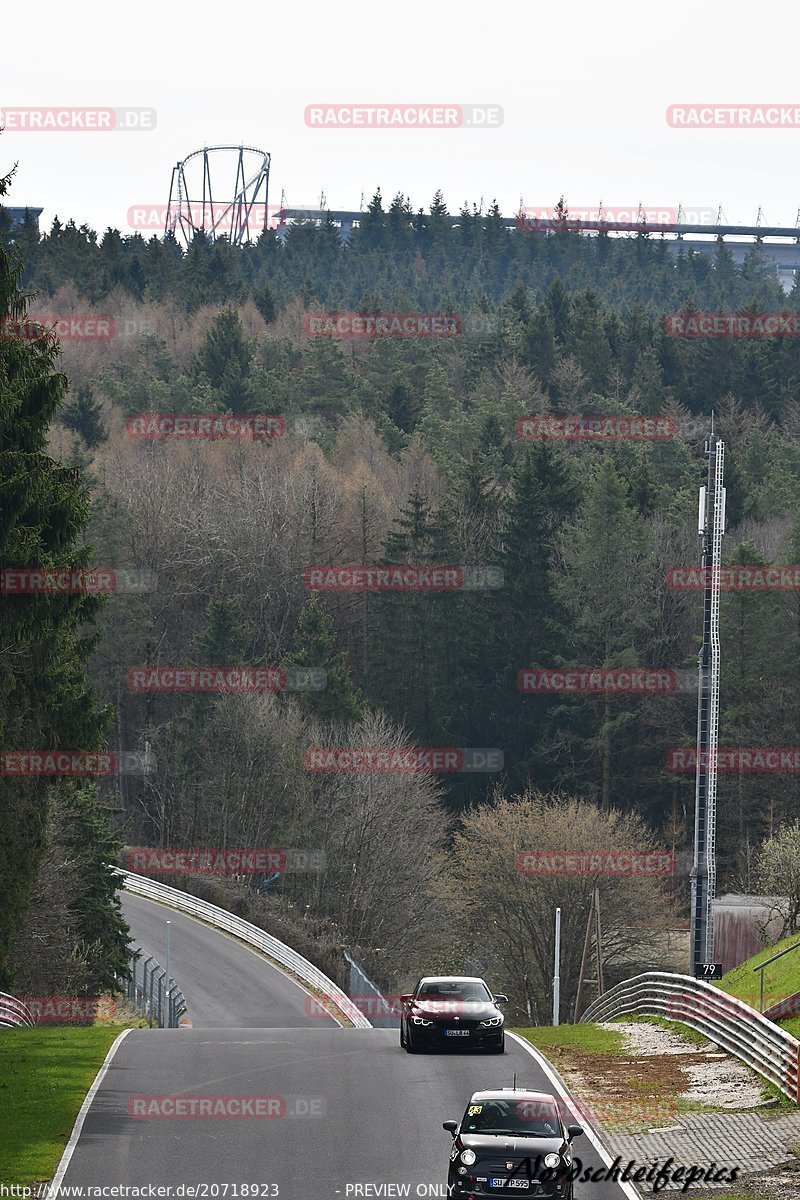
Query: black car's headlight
[(468, 1157), (492, 1021), (421, 1021), (552, 1161)]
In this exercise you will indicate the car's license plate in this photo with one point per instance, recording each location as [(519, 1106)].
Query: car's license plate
[(508, 1183), (456, 1033)]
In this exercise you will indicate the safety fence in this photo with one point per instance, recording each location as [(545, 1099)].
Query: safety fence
[(367, 996), (158, 999)]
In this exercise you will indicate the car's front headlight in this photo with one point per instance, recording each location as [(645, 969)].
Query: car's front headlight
[(421, 1021), (492, 1021), (552, 1161), (468, 1157)]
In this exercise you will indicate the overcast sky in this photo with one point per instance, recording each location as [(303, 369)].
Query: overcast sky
[(584, 89)]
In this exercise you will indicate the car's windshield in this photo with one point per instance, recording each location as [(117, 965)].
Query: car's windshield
[(523, 1118), (454, 989)]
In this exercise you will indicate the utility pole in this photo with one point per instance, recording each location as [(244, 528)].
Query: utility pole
[(592, 927), (711, 529), (557, 970)]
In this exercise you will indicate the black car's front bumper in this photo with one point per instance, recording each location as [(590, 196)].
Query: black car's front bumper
[(477, 1183), (454, 1035)]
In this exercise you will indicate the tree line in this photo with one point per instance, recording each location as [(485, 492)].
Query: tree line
[(402, 453)]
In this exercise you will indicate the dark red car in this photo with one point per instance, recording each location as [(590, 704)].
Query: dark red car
[(452, 1010)]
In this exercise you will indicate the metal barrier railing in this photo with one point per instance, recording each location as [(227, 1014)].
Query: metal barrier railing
[(725, 1020), (162, 1003), (13, 1013), (763, 966), (305, 971)]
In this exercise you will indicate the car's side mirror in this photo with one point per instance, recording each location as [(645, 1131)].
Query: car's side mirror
[(501, 999), (450, 1126), (405, 999), (574, 1131)]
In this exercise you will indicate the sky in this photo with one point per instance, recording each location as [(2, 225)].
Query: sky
[(584, 90)]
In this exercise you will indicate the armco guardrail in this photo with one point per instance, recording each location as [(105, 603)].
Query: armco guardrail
[(730, 1023), (251, 934), (13, 1013)]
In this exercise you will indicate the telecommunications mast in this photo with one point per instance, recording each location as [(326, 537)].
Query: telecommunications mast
[(711, 529)]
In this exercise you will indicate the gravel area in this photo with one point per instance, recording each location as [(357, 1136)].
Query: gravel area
[(714, 1078)]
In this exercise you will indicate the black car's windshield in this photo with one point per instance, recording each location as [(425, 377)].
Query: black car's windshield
[(522, 1118), (455, 989)]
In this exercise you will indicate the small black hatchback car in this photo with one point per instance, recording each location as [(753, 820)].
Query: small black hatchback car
[(452, 1011), (511, 1142)]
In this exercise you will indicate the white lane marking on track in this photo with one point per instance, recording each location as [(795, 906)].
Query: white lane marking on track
[(628, 1188), (69, 1149), (231, 938)]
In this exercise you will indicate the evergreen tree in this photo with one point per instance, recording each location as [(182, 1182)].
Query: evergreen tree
[(225, 360), (315, 648), (45, 703), (83, 416)]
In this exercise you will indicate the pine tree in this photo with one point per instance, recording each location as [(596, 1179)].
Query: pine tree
[(315, 648), (45, 702), (607, 586), (83, 416), (225, 360)]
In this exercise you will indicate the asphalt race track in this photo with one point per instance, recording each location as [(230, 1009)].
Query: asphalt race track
[(350, 1107), (225, 984)]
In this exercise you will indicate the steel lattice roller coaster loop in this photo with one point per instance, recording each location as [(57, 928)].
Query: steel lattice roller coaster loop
[(206, 194)]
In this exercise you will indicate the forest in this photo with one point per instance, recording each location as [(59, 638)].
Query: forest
[(417, 452)]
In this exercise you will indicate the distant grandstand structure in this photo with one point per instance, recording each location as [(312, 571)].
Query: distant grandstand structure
[(780, 244)]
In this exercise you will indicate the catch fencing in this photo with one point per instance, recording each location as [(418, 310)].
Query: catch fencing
[(383, 1014), (726, 1021), (162, 1002)]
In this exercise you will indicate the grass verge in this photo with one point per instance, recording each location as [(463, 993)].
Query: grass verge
[(590, 1038), (45, 1074)]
